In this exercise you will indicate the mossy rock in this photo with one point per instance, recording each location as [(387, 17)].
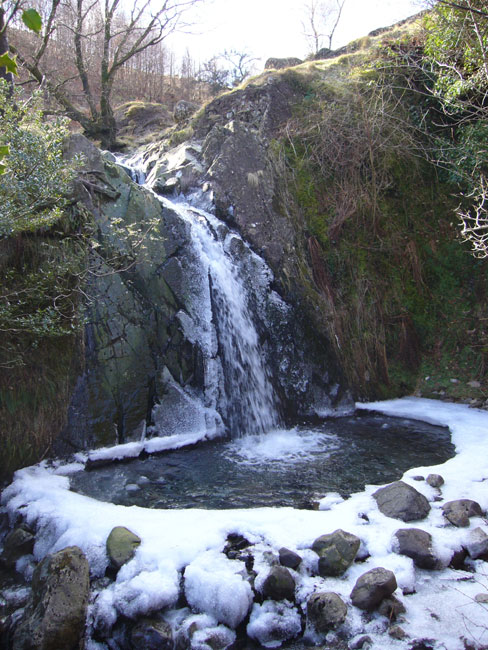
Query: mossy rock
[(121, 546)]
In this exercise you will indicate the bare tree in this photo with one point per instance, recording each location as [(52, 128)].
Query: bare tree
[(322, 19), (104, 35)]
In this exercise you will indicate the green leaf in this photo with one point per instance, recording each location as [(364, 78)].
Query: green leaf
[(32, 20), (8, 62), (4, 150), (3, 168)]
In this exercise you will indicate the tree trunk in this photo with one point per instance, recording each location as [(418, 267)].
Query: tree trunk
[(8, 76)]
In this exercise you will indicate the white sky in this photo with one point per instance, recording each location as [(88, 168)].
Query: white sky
[(267, 28)]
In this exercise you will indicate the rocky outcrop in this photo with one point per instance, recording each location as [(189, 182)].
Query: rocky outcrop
[(55, 616), (279, 64), (401, 501)]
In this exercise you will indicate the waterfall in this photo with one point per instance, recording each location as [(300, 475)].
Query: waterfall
[(248, 402), (237, 384)]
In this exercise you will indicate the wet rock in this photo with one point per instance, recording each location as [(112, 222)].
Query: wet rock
[(151, 634), (279, 584), (401, 501), (458, 512), (289, 558), (18, 542), (55, 617), (372, 587), (121, 546), (391, 608), (477, 544), (326, 611), (336, 552), (416, 544), (435, 480)]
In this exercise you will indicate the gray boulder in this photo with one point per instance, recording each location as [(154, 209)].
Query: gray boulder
[(18, 542), (401, 501), (326, 611), (121, 546), (183, 110), (289, 558), (477, 544), (336, 552), (435, 480), (372, 587), (279, 64), (279, 584), (416, 544), (152, 634), (458, 512), (55, 617)]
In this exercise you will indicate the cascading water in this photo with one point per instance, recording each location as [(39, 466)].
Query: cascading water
[(237, 384), (248, 402)]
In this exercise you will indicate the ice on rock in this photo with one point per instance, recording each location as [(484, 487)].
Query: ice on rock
[(213, 585), (272, 623), (146, 592)]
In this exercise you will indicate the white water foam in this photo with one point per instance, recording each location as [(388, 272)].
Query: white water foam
[(280, 447)]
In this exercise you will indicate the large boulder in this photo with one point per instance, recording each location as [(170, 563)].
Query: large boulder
[(336, 552), (121, 546), (401, 501), (459, 512), (55, 616), (326, 611), (416, 544), (372, 587)]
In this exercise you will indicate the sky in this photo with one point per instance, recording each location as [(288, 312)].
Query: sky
[(273, 28)]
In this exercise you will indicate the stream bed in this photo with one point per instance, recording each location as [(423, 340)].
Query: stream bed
[(286, 467)]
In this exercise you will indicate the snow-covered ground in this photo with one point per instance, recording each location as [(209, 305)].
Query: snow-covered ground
[(442, 606)]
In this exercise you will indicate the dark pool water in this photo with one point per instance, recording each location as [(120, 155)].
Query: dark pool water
[(291, 467)]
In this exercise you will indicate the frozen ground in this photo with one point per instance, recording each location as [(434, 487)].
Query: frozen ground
[(442, 608)]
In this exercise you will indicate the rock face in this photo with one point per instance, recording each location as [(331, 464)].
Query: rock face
[(144, 365), (372, 587), (121, 546), (417, 544), (401, 501), (325, 611), (279, 585), (336, 552), (55, 617), (458, 512)]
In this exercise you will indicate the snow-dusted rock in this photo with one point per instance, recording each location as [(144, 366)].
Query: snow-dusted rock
[(273, 623), (336, 552), (459, 511), (279, 584), (401, 501), (416, 544), (372, 587), (477, 544), (325, 611)]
